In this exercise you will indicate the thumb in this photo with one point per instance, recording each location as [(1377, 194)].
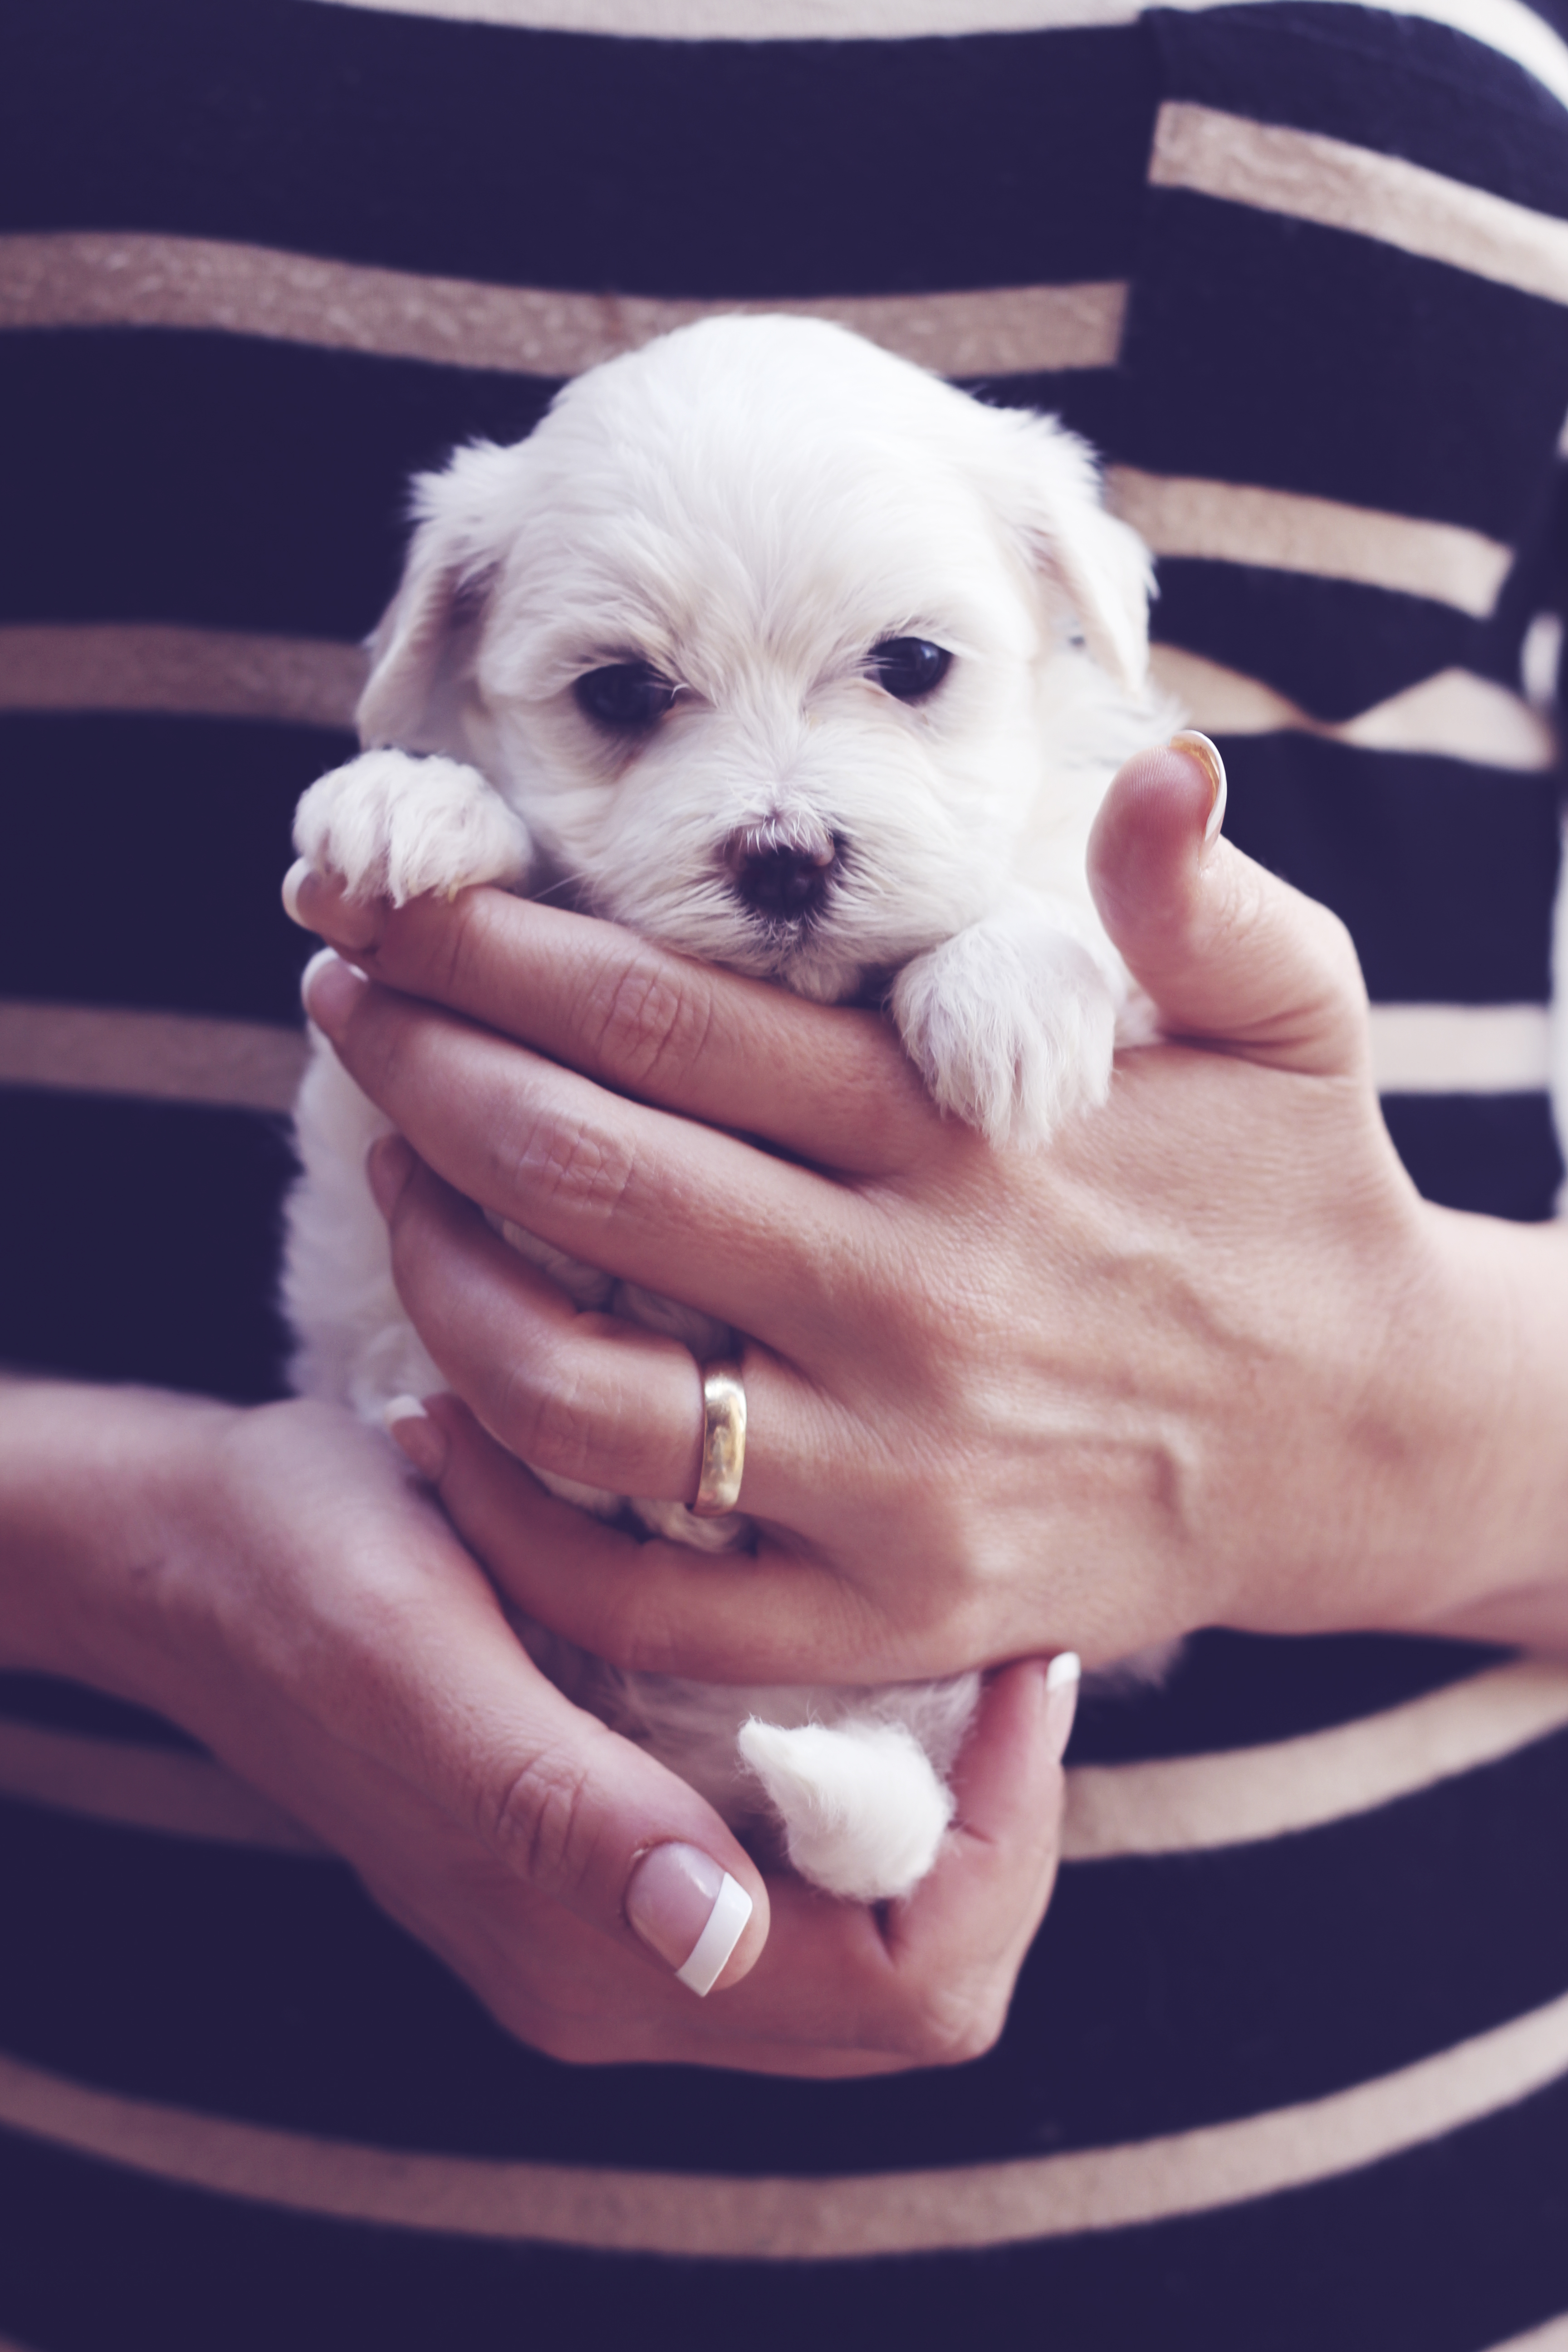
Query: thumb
[(448, 1708), (1229, 953), (589, 1820)]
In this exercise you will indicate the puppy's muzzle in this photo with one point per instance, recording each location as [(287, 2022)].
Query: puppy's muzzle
[(782, 871)]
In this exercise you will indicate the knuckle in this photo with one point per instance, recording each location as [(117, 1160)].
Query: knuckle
[(543, 1412), (539, 1821), (953, 2025), (569, 1163), (652, 1020)]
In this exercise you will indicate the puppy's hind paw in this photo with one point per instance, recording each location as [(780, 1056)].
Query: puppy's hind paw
[(394, 826), (1012, 1025), (863, 1810)]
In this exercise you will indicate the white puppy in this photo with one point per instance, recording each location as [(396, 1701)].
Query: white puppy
[(796, 659)]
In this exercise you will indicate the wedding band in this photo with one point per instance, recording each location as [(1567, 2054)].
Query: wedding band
[(723, 1440)]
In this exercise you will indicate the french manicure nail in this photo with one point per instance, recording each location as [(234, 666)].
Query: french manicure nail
[(1063, 1676), (416, 1435), (330, 989), (690, 1911), (294, 881), (1206, 755)]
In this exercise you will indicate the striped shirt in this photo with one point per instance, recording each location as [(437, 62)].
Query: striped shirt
[(1289, 2064)]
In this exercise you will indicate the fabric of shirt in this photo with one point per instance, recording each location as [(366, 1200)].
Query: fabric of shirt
[(1288, 2065)]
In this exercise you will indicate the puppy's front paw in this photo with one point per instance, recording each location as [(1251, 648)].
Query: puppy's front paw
[(1012, 1025), (394, 826)]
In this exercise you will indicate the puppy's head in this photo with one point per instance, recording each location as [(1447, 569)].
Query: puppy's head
[(779, 645)]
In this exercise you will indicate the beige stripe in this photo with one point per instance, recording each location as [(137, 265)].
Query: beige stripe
[(1506, 26), (206, 673), (1553, 2337), (809, 2219), (94, 278), (1308, 177), (1454, 716), (1234, 522), (1186, 1804), (157, 1057), (142, 1788), (1461, 1049)]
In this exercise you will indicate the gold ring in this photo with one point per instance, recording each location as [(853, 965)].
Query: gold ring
[(723, 1440)]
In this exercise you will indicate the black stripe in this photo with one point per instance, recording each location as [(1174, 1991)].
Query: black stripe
[(1260, 349), (1446, 874), (199, 811), (1397, 84), (147, 1243), (1332, 645), (1087, 399), (1244, 1690), (54, 1705), (1161, 1993), (221, 480), (710, 169), (1449, 2247), (1499, 1155)]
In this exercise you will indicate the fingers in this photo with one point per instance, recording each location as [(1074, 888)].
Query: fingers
[(964, 1931), (839, 1988), (653, 1607), (587, 1396), (630, 1189), (1228, 951), (927, 1983), (832, 1087)]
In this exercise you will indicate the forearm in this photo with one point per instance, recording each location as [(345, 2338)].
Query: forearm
[(91, 1481)]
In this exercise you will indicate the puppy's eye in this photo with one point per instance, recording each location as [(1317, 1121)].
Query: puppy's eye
[(909, 667), (625, 696)]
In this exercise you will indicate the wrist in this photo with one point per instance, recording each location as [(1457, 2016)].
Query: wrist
[(1487, 1477)]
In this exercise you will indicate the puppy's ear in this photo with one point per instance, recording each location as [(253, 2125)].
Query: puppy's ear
[(1052, 495), (422, 654)]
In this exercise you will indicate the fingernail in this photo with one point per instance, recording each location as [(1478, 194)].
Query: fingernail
[(330, 989), (294, 882), (1206, 755), (387, 1165), (1063, 1676), (415, 1434), (690, 1911)]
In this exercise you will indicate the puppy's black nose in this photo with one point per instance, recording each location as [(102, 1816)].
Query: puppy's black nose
[(785, 879)]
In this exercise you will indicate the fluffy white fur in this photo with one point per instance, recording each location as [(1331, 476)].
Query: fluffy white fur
[(751, 507)]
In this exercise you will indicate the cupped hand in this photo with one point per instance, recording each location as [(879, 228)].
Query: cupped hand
[(278, 1581), (1207, 1359)]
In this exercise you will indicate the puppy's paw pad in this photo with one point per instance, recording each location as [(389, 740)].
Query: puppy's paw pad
[(1012, 1028), (394, 826), (863, 1809)]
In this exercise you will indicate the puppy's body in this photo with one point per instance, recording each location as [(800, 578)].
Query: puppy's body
[(799, 661)]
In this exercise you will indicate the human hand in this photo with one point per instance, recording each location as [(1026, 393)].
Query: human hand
[(276, 1581), (1210, 1358)]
